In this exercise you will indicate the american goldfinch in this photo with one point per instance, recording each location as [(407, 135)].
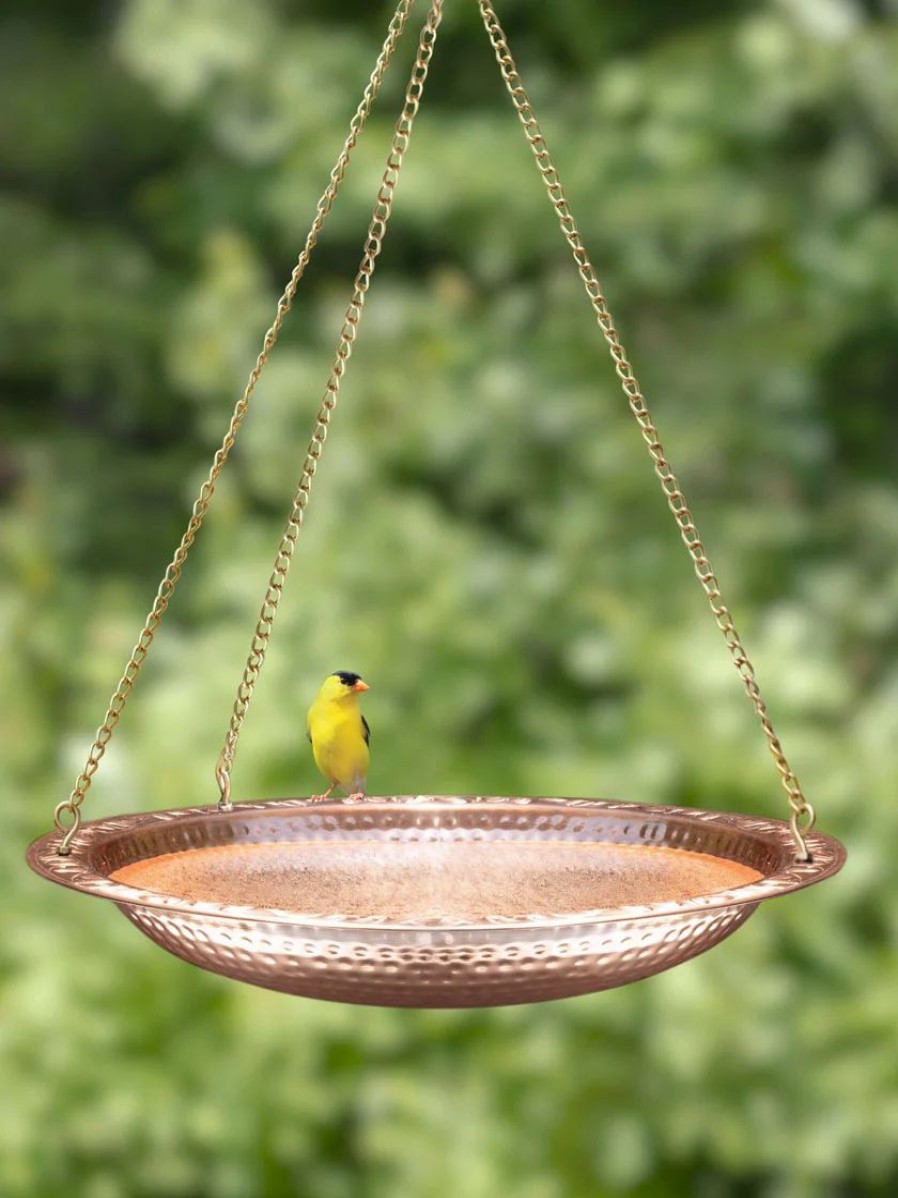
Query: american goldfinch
[(339, 733)]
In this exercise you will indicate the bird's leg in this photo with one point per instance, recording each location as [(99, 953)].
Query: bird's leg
[(358, 793), (326, 795)]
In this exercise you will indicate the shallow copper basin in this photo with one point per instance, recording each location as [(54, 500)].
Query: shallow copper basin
[(434, 901)]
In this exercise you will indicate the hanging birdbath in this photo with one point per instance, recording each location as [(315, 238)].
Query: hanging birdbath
[(425, 900)]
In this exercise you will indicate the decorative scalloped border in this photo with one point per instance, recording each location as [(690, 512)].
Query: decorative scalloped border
[(77, 872)]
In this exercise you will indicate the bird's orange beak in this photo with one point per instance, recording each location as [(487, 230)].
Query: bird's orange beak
[(360, 686)]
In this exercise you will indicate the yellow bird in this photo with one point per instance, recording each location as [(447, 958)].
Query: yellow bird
[(340, 734)]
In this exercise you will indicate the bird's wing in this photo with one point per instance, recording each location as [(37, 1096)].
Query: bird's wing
[(309, 729), (366, 731)]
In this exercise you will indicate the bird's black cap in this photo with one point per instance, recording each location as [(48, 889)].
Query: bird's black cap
[(347, 677)]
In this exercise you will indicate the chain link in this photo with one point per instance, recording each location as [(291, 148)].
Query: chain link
[(802, 813), (172, 574), (373, 243)]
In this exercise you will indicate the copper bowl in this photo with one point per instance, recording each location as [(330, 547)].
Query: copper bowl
[(432, 901)]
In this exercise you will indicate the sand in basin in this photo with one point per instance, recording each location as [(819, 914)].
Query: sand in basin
[(420, 880)]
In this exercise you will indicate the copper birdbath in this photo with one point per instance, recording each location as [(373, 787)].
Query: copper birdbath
[(432, 901)]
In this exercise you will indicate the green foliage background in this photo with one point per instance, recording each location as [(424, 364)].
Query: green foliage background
[(486, 543)]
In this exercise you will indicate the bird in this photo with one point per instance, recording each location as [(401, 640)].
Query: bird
[(339, 734)]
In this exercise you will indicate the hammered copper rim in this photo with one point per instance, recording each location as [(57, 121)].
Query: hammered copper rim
[(765, 845)]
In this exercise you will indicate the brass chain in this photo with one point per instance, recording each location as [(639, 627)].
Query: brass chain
[(71, 807), (352, 317), (802, 813)]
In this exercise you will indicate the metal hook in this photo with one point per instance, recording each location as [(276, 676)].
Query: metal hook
[(65, 845), (223, 778)]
